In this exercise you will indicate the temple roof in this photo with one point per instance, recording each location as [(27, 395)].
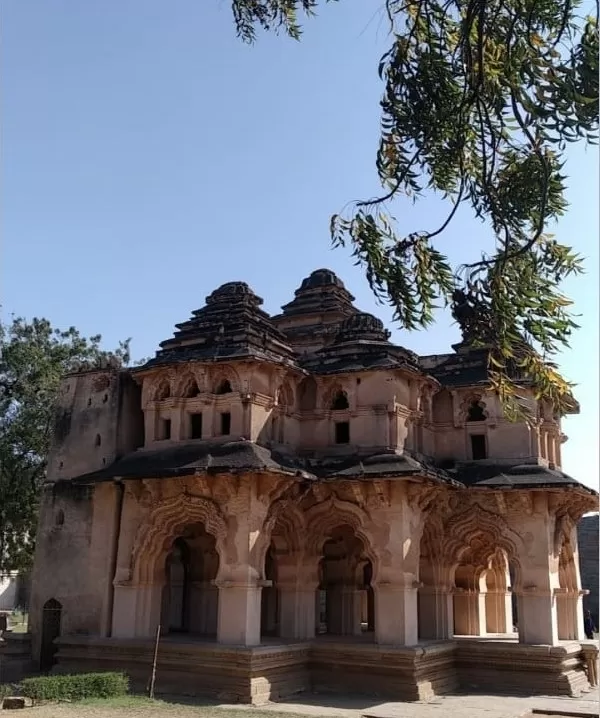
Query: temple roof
[(322, 292), (361, 343), (231, 326), (456, 370), (313, 316), (240, 456), (217, 457), (493, 475)]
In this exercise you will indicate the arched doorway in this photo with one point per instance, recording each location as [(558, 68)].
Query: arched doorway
[(189, 597), (344, 585), (51, 622), (482, 601)]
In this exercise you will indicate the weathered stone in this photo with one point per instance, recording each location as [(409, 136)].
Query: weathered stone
[(263, 481)]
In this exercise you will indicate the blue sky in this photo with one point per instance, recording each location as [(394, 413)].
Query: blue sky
[(148, 156)]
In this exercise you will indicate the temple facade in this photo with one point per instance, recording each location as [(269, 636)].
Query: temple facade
[(294, 503)]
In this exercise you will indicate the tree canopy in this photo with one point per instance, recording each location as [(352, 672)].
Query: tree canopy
[(34, 356), (480, 99)]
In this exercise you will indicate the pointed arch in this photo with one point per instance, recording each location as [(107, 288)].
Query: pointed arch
[(475, 525), (307, 394), (164, 523), (323, 518), (225, 380), (339, 400), (187, 386), (162, 389), (442, 409), (285, 397), (474, 410)]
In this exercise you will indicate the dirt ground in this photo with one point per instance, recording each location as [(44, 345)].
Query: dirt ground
[(319, 706), (133, 707)]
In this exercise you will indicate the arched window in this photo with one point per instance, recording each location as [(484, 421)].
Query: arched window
[(307, 394), (164, 391), (476, 411), (190, 389), (224, 387), (340, 401)]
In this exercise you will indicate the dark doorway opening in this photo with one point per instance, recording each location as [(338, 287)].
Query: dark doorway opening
[(51, 620)]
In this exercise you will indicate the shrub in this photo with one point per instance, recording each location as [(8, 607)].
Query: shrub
[(75, 687), (5, 690)]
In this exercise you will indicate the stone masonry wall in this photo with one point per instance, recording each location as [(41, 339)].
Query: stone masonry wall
[(588, 562)]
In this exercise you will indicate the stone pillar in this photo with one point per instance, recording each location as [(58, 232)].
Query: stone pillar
[(297, 611), (239, 612), (538, 579), (149, 425), (397, 581), (469, 612), (148, 604), (498, 611), (537, 616), (240, 579), (436, 612), (125, 595), (177, 430), (396, 621), (203, 608)]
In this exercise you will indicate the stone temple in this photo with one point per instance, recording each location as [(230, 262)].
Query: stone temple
[(300, 504)]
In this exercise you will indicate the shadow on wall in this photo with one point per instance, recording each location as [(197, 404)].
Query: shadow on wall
[(587, 533)]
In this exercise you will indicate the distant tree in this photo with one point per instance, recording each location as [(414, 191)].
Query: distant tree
[(480, 99), (34, 356)]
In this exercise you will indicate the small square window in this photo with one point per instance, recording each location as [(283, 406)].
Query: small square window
[(342, 432), (225, 423), (165, 429), (195, 426), (478, 447)]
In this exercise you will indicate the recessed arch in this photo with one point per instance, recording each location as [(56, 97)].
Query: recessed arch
[(307, 394), (476, 411), (285, 397), (223, 387), (165, 523), (339, 401), (163, 389), (188, 387)]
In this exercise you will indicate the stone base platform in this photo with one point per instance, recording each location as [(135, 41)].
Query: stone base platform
[(274, 672), (15, 657), (516, 669)]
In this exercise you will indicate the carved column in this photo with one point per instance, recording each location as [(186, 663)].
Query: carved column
[(239, 582), (395, 588), (436, 612), (498, 611), (150, 418), (469, 612), (136, 501), (536, 598), (297, 586)]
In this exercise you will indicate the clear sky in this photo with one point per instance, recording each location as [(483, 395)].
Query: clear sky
[(148, 156)]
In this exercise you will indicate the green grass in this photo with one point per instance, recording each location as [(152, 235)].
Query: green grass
[(141, 707), (17, 622)]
